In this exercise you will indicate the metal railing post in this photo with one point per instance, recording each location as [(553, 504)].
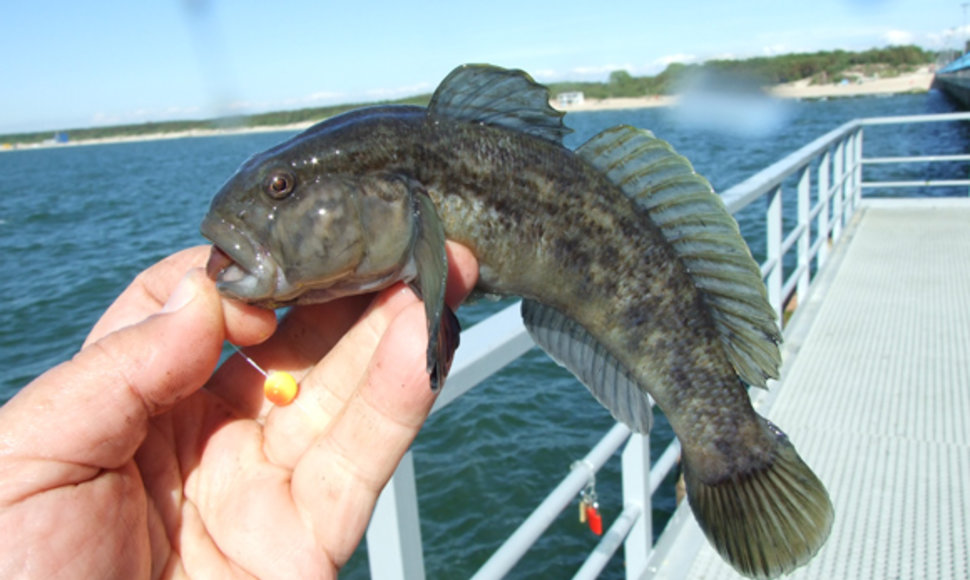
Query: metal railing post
[(857, 174), (838, 196), (773, 237), (636, 491), (805, 239), (394, 535), (824, 194)]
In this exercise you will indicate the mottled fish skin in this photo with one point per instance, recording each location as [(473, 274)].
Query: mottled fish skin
[(532, 212), (548, 226)]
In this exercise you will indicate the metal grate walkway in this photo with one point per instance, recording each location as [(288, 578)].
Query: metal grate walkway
[(876, 397)]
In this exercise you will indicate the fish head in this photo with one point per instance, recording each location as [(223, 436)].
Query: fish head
[(287, 231)]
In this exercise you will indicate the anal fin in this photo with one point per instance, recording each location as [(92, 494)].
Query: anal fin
[(573, 347)]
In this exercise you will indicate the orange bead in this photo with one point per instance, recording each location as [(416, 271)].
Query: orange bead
[(280, 388)]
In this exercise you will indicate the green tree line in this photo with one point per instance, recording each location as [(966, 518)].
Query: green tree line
[(824, 66)]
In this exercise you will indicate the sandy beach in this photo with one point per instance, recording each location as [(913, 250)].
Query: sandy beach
[(918, 81), (160, 136)]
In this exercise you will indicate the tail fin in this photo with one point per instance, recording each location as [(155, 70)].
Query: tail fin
[(765, 522)]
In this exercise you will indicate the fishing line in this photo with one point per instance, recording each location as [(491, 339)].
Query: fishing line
[(280, 388)]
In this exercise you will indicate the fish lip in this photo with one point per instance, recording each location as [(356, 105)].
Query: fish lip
[(246, 270)]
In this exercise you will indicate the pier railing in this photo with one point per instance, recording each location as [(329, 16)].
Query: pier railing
[(809, 197)]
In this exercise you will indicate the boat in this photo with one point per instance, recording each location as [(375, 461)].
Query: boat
[(954, 80)]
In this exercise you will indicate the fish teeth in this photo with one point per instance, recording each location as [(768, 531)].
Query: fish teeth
[(232, 273)]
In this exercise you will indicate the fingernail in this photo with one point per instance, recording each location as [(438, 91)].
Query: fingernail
[(183, 294)]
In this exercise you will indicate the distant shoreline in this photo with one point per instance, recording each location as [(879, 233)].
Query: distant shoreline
[(917, 82), (162, 136)]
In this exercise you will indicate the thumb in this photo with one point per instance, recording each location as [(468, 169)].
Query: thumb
[(93, 410)]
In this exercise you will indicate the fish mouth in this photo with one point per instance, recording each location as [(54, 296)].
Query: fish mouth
[(241, 267)]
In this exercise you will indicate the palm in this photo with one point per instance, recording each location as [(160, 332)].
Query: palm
[(116, 464), (217, 505)]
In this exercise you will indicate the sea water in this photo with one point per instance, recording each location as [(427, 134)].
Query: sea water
[(78, 223)]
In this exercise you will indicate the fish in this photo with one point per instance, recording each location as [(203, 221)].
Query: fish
[(632, 274)]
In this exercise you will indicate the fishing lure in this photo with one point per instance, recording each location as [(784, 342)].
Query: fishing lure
[(279, 388)]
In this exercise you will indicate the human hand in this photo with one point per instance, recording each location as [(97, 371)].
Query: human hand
[(117, 463)]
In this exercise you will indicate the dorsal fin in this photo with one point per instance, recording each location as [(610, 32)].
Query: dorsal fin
[(573, 347), (487, 94), (705, 236)]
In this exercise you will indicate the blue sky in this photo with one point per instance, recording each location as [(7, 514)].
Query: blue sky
[(76, 64)]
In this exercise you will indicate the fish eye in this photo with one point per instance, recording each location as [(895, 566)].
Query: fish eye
[(280, 184)]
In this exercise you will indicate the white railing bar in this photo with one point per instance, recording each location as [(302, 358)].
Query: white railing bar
[(754, 187), (635, 481), (804, 211), (737, 197), (962, 116), (820, 241), (486, 348), (612, 539), (774, 217), (857, 173), (394, 548), (517, 544), (792, 238), (917, 183), (792, 281), (744, 193), (848, 167), (664, 464), (920, 159), (817, 209), (838, 195), (768, 266)]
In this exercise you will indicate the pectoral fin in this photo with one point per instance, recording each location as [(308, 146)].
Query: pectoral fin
[(430, 282)]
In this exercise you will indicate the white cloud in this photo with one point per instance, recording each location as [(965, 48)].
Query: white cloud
[(659, 64), (545, 74), (775, 49), (669, 59), (899, 37), (321, 96), (951, 38), (399, 92), (604, 69)]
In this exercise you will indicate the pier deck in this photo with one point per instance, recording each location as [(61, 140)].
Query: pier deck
[(876, 396)]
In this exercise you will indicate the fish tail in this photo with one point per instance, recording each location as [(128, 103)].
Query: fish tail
[(766, 521)]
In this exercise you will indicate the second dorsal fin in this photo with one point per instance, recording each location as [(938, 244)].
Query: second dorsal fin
[(490, 95), (704, 235)]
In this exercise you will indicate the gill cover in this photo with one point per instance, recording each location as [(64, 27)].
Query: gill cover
[(359, 234)]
